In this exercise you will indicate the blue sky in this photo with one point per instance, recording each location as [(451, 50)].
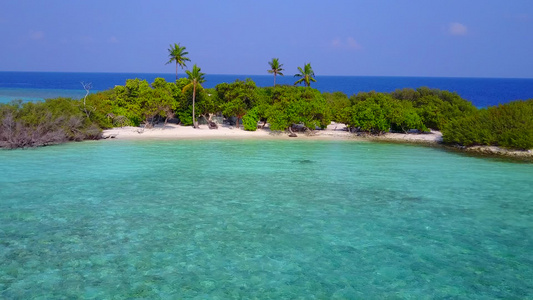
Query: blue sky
[(474, 38)]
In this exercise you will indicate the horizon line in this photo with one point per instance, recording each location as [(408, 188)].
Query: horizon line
[(234, 74)]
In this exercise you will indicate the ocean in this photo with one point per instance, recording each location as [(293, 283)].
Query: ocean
[(262, 219), (482, 92)]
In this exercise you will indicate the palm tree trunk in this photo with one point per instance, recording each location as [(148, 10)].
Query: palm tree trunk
[(176, 71), (274, 79), (193, 103)]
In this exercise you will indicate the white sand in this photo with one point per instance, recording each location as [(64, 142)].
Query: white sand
[(172, 131), (335, 131), (432, 137)]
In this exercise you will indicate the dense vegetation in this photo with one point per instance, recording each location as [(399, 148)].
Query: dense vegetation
[(36, 124), (509, 125), (139, 103)]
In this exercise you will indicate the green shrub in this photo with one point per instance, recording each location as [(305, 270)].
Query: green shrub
[(378, 112), (185, 117), (337, 102), (250, 119), (53, 121), (509, 125), (297, 105), (369, 116), (435, 107)]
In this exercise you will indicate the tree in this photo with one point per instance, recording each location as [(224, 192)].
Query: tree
[(337, 102), (133, 101), (177, 54), (165, 96), (207, 104), (404, 117), (370, 112), (369, 116), (250, 119), (509, 125), (87, 87), (306, 75), (435, 107), (297, 105), (275, 68), (378, 113), (237, 97), (101, 106), (196, 78), (141, 102)]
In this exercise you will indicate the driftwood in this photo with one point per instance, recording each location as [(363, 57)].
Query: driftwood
[(109, 136), (212, 125), (291, 133)]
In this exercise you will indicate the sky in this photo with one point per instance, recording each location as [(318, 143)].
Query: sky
[(440, 38)]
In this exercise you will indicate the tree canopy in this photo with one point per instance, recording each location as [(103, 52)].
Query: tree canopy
[(237, 97), (177, 54), (509, 125), (306, 75), (275, 68), (297, 105)]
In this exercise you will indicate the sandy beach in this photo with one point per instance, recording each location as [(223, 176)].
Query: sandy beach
[(335, 131)]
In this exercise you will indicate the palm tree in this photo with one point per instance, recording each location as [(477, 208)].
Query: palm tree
[(196, 78), (275, 68), (177, 53), (306, 75)]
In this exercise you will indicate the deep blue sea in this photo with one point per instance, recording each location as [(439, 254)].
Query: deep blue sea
[(483, 92)]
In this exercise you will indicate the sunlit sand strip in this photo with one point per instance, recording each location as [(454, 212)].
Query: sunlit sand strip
[(335, 131)]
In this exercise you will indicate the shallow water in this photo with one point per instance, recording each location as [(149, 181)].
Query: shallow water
[(30, 94), (265, 219)]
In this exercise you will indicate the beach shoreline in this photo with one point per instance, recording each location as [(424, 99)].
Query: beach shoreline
[(333, 132)]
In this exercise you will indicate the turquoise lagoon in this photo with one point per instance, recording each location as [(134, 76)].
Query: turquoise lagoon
[(28, 94), (262, 219)]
